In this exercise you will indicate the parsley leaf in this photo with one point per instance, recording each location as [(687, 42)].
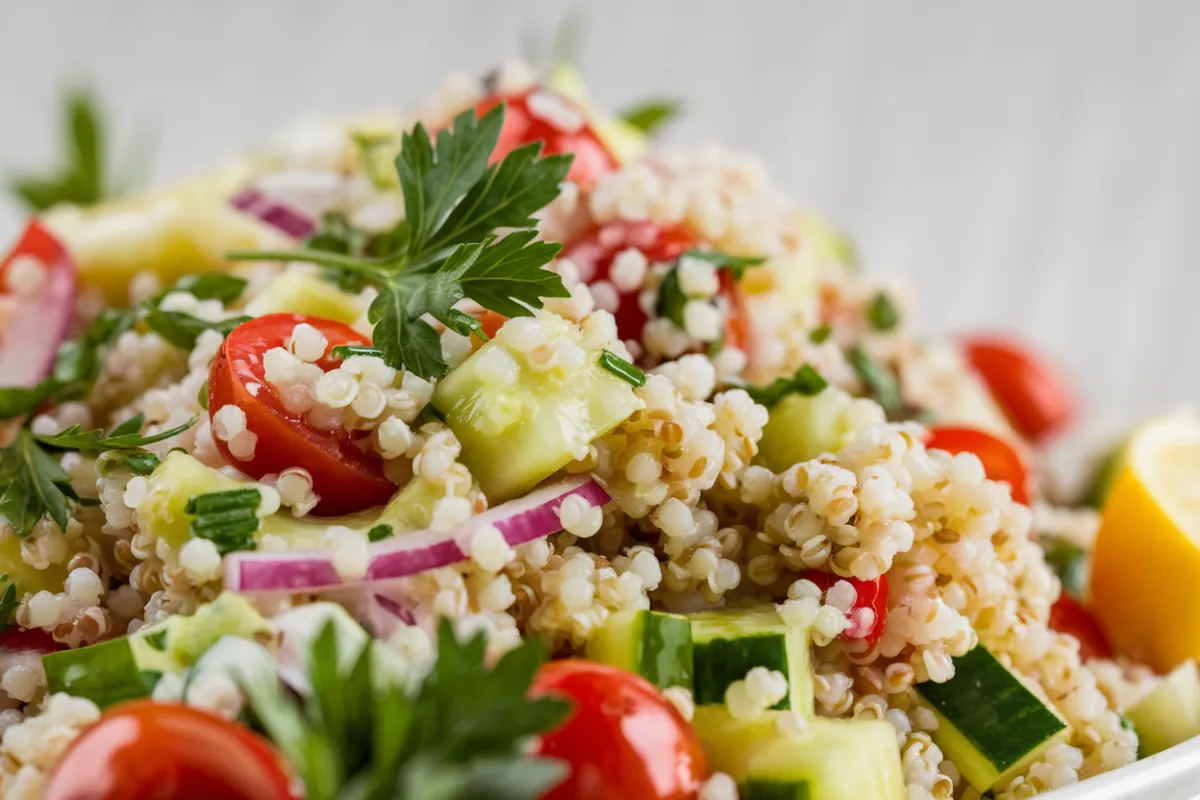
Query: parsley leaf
[(125, 436), (182, 329), (8, 603), (880, 382), (33, 485), (459, 736), (820, 334), (650, 116), (807, 381), (881, 313), (735, 264)]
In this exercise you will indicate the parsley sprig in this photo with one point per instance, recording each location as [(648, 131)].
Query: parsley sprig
[(446, 249), (671, 299), (33, 483), (460, 736)]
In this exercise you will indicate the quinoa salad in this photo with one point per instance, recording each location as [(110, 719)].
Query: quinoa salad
[(496, 450)]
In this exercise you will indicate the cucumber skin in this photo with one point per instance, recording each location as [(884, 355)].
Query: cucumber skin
[(651, 644), (720, 662), (1170, 714), (990, 723), (774, 790)]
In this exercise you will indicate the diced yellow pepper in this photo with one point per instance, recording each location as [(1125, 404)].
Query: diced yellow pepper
[(1146, 562)]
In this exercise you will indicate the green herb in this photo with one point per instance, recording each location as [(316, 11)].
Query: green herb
[(139, 463), (461, 736), (446, 249), (228, 519), (671, 299), (81, 179), (649, 116), (157, 640), (32, 485), (882, 314), (182, 329), (431, 413), (380, 532), (8, 603), (807, 381), (375, 151), (202, 395), (735, 264), (880, 382), (820, 334), (1069, 562), (209, 286), (344, 351), (622, 368), (125, 436)]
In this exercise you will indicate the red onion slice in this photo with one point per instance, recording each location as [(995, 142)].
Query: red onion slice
[(275, 212), (522, 520), (40, 320)]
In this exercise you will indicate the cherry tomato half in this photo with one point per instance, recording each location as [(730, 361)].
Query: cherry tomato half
[(542, 114), (1068, 615), (622, 741), (1001, 461), (1036, 400), (163, 751), (345, 477), (872, 596), (595, 251)]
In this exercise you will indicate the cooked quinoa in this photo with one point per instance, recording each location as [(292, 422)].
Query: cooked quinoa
[(699, 518)]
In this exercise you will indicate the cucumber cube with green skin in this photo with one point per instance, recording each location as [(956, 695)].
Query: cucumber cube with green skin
[(727, 644), (801, 428), (652, 644), (1171, 713), (518, 424), (991, 725), (830, 760), (128, 668)]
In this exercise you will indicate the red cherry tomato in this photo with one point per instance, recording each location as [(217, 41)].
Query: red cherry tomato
[(345, 477), (526, 119), (622, 741), (594, 252), (739, 327), (871, 596), (1036, 400), (1001, 461), (1068, 615), (158, 751)]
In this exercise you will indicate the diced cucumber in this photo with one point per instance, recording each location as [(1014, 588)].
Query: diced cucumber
[(802, 427), (652, 644), (1171, 713), (729, 643), (23, 576), (516, 433), (991, 725), (831, 760), (128, 667), (1104, 474), (293, 292)]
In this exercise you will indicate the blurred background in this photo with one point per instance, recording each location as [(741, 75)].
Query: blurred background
[(1024, 164)]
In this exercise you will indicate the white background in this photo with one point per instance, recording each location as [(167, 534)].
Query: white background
[(1025, 163)]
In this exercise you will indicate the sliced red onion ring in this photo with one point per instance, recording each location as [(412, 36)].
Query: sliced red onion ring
[(39, 321), (275, 212), (533, 516)]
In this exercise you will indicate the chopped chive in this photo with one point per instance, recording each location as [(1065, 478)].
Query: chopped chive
[(622, 369), (737, 265), (202, 395), (380, 532), (820, 334), (157, 640), (344, 351), (807, 381), (880, 383), (231, 500), (229, 530), (882, 313)]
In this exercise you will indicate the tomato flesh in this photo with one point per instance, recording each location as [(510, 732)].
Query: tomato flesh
[(1032, 394), (159, 751), (870, 595), (1069, 616), (594, 252), (524, 124), (1001, 461), (622, 741), (346, 478)]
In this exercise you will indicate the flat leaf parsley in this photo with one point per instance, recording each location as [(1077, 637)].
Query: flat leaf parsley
[(446, 249)]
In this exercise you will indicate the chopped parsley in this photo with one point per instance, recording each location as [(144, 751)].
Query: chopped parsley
[(157, 640), (622, 369), (807, 381), (228, 519), (344, 351), (671, 298), (879, 381), (462, 735), (380, 532), (650, 116), (447, 247), (735, 264), (820, 334), (882, 313)]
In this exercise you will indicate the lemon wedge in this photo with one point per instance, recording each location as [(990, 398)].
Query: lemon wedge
[(1146, 561)]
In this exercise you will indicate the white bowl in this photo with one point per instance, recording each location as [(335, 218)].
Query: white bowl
[(1170, 775)]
